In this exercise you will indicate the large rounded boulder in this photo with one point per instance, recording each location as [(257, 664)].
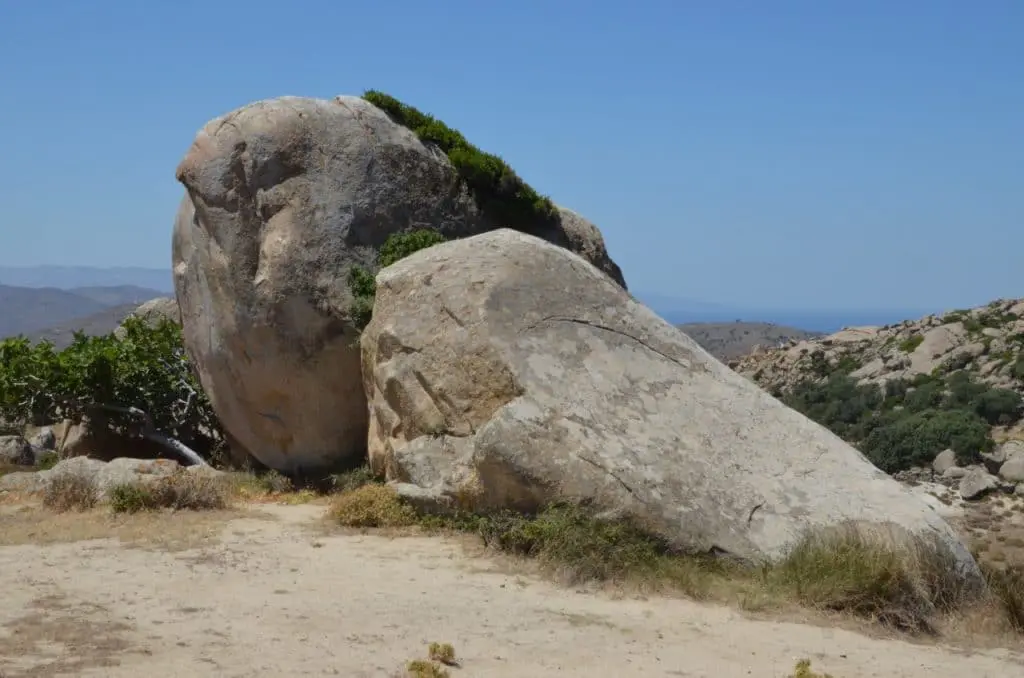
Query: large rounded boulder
[(283, 198), (506, 373)]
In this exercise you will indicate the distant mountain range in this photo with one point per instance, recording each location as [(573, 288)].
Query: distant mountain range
[(48, 312), (825, 321), (72, 277), (53, 301)]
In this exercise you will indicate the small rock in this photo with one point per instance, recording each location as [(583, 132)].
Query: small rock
[(44, 439), (1013, 470), (944, 461), (954, 472), (976, 483), (24, 482), (16, 450), (117, 471)]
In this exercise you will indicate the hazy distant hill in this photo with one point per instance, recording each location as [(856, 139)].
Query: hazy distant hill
[(99, 323), (70, 277), (729, 341), (31, 310)]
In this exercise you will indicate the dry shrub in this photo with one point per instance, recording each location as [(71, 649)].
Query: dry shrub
[(372, 506), (803, 670), (181, 490), (421, 668), (843, 570), (1006, 587), (71, 492)]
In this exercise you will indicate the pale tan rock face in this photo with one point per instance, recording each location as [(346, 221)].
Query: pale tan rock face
[(504, 372), (284, 197)]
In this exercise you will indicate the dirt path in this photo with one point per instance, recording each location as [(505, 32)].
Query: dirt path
[(273, 598)]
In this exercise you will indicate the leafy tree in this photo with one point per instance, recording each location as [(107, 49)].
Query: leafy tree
[(138, 385)]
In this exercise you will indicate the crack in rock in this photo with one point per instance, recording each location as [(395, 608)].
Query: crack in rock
[(577, 321)]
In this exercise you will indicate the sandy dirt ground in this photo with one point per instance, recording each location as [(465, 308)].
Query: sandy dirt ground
[(269, 594)]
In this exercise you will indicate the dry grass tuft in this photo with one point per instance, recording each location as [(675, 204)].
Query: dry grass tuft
[(71, 492), (421, 668), (442, 652), (439, 655), (842, 570), (372, 506), (1006, 587), (803, 670), (181, 490)]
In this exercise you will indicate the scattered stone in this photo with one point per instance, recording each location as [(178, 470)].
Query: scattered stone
[(1013, 469), (944, 461), (43, 438), (105, 474), (23, 482), (15, 450), (954, 473), (976, 483)]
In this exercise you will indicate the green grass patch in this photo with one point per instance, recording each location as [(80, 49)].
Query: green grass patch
[(910, 344)]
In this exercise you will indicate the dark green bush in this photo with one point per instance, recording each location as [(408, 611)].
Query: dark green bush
[(504, 198), (998, 406), (1018, 368), (915, 439), (401, 245), (908, 422)]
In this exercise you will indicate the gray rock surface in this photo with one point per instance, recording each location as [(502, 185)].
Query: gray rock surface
[(505, 372), (976, 483), (944, 461), (43, 438), (1012, 469), (152, 312), (16, 450), (106, 474), (284, 196)]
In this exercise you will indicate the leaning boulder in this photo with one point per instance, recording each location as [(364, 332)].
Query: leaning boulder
[(284, 197), (503, 372)]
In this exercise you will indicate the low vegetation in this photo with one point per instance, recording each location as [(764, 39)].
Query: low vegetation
[(908, 422), (137, 385), (912, 588), (504, 198), (179, 491), (439, 655), (803, 670), (361, 281), (71, 492)]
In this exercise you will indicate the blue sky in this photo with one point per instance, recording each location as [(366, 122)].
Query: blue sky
[(785, 154)]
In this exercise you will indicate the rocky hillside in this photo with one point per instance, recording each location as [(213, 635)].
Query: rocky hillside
[(731, 340), (905, 392)]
